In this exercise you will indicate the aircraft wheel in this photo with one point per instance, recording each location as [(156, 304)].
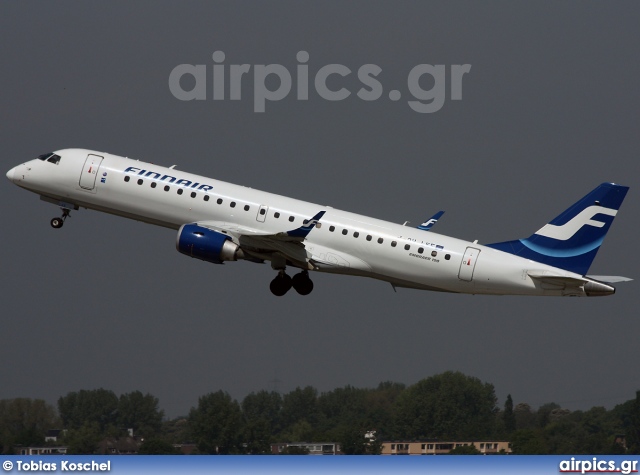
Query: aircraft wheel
[(302, 283), (57, 223), (280, 285)]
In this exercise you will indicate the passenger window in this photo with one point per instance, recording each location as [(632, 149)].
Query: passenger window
[(127, 178), (276, 215), (291, 218), (356, 234), (180, 191), (233, 204), (246, 207), (380, 240), (332, 228), (206, 197), (420, 250), (263, 211), (344, 231), (368, 237), (447, 257), (140, 181), (434, 253), (407, 247), (153, 184), (394, 244), (167, 188), (219, 201), (193, 194)]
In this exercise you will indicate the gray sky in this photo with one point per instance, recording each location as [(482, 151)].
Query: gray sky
[(550, 110)]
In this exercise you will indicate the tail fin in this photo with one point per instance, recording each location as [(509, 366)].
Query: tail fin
[(429, 223), (572, 240)]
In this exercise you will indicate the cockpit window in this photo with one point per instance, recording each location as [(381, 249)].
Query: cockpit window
[(50, 157)]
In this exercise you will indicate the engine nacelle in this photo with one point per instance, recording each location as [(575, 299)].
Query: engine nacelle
[(206, 244)]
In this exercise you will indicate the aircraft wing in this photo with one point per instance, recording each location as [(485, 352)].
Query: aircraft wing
[(261, 245)]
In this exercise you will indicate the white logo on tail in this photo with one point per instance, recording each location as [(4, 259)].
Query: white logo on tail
[(311, 223), (431, 222), (568, 229)]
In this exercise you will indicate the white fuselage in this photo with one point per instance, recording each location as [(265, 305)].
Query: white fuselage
[(345, 243)]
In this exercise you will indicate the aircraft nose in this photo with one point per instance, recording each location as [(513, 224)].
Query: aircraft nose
[(10, 174)]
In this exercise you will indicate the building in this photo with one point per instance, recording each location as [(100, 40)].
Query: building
[(438, 447), (40, 450), (53, 435), (311, 448)]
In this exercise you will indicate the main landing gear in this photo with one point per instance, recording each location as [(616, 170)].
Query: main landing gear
[(58, 222), (283, 283)]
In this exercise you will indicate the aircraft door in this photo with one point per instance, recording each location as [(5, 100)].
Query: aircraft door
[(90, 171), (262, 213), (468, 264)]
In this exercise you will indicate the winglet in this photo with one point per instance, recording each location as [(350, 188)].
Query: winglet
[(429, 223), (302, 231)]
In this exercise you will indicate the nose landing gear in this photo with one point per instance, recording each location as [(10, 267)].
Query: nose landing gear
[(283, 283), (58, 222)]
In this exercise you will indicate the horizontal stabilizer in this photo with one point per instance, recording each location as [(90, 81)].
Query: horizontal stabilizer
[(610, 278), (572, 285)]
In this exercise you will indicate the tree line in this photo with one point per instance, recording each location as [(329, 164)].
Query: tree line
[(450, 406)]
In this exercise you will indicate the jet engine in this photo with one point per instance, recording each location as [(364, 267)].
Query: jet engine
[(207, 244)]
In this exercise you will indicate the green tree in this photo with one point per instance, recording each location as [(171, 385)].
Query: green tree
[(449, 405), (632, 427), (176, 431), (525, 417), (465, 450), (528, 442), (300, 431), (261, 412), (156, 446), (543, 414), (98, 406), (25, 421), (140, 412), (300, 404), (509, 417), (216, 424), (353, 441), (84, 440), (382, 405)]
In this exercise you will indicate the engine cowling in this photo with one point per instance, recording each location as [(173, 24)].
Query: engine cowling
[(206, 244)]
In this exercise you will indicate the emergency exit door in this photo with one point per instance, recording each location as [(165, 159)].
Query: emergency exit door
[(468, 264), (90, 172)]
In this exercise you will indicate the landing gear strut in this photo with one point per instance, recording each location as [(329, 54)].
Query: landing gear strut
[(283, 283), (58, 222)]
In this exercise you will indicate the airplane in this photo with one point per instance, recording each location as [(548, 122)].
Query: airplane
[(219, 222)]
